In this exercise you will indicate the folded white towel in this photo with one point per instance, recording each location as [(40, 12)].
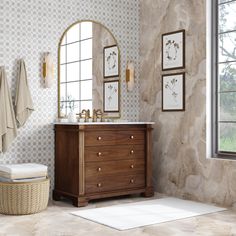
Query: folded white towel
[(6, 180), (19, 171)]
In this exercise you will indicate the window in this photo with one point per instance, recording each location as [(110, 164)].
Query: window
[(76, 69), (224, 76)]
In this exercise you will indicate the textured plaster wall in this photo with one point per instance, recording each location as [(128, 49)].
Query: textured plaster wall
[(180, 164)]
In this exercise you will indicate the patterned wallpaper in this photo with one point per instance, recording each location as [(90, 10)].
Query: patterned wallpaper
[(29, 28)]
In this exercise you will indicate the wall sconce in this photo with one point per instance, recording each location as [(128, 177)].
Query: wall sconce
[(130, 76), (48, 70)]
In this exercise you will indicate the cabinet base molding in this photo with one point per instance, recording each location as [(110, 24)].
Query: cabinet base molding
[(80, 201), (83, 201), (149, 192)]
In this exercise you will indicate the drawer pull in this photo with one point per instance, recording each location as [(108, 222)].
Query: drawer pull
[(132, 152), (99, 169), (99, 138), (99, 185), (132, 166), (131, 137), (99, 154), (131, 181)]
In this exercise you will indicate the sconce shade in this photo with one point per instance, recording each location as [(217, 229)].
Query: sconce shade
[(48, 70), (130, 76)]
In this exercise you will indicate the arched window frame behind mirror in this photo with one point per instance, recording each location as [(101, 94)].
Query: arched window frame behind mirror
[(107, 115)]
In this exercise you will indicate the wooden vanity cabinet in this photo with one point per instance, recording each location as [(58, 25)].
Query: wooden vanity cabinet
[(98, 161)]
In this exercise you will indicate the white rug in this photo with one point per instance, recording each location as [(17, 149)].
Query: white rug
[(132, 215)]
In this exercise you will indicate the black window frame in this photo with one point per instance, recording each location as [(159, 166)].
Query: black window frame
[(215, 151)]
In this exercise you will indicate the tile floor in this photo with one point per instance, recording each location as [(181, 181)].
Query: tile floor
[(56, 221)]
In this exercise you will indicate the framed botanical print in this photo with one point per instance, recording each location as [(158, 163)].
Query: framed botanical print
[(173, 50), (111, 96), (111, 61), (173, 92)]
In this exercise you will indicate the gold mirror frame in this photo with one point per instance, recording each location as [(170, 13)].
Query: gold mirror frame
[(58, 66)]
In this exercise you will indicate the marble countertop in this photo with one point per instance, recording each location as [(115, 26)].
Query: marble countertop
[(104, 123)]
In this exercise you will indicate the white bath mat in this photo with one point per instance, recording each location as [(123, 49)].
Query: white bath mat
[(132, 215)]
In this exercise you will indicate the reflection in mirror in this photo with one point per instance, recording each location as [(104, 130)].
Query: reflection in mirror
[(80, 67)]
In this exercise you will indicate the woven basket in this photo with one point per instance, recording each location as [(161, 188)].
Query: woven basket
[(24, 198)]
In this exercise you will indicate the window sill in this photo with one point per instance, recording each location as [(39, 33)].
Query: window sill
[(224, 157)]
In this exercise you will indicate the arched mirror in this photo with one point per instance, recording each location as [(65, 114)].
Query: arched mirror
[(88, 70)]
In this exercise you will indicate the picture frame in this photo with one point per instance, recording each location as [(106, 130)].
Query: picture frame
[(111, 93), (173, 50), (173, 92), (111, 61)]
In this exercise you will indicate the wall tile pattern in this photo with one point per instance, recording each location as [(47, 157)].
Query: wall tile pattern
[(29, 28)]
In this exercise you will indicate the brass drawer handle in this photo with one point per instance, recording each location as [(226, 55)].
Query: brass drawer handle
[(99, 169), (132, 152), (131, 137), (132, 166), (99, 138), (131, 181), (99, 154), (99, 185)]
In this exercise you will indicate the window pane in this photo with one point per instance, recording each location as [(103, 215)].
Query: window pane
[(86, 89), (227, 109), (77, 107), (227, 47), (73, 91), (62, 73), (63, 108), (63, 92), (86, 30), (73, 34), (227, 137), (86, 69), (86, 105), (73, 71), (227, 19), (62, 54), (76, 74), (86, 49), (70, 106), (73, 52), (223, 1), (227, 77)]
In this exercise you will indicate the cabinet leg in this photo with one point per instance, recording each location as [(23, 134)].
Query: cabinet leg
[(56, 196), (80, 202), (149, 192)]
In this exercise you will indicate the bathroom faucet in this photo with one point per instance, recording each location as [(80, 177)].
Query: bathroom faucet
[(85, 114), (97, 114)]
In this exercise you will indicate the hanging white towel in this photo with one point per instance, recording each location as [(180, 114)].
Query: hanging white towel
[(8, 129), (23, 102)]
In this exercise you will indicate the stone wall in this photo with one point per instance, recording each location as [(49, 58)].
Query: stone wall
[(181, 167)]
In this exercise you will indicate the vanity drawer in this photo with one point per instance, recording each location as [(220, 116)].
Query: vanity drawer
[(114, 137), (109, 168), (118, 152), (115, 183)]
